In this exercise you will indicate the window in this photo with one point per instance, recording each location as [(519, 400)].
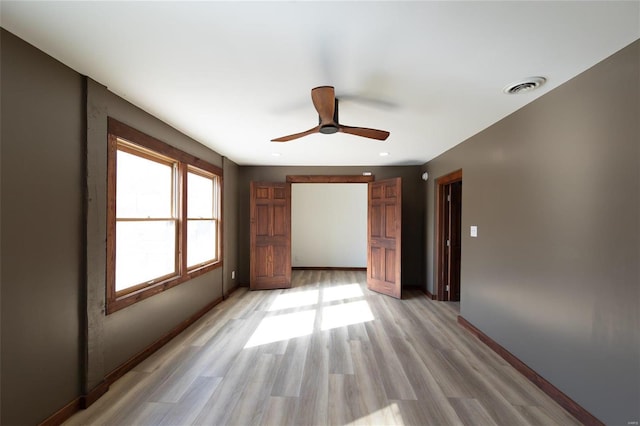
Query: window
[(202, 223), (163, 218)]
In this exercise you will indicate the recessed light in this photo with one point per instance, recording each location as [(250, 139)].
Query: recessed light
[(383, 154), (275, 154)]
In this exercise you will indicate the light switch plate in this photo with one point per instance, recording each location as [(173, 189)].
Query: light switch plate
[(474, 231)]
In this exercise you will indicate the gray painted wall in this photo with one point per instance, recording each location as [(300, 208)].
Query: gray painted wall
[(41, 174), (56, 341), (412, 210), (553, 274), (124, 333), (329, 225)]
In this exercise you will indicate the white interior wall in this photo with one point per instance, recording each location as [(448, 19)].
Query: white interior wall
[(329, 225)]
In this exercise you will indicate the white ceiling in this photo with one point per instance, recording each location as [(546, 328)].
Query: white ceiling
[(234, 75)]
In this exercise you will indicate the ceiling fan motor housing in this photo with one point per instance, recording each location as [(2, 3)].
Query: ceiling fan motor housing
[(330, 128)]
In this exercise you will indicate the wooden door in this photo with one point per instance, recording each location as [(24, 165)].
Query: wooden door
[(448, 235), (270, 253), (384, 225)]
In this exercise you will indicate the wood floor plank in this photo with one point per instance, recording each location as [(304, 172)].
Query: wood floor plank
[(314, 388), (343, 405), (119, 396), (392, 373), (187, 409), (496, 404), (326, 351), (471, 412), (425, 385), (357, 332), (178, 380), (372, 400), (289, 376), (340, 361), (219, 406), (221, 352), (280, 411), (252, 402)]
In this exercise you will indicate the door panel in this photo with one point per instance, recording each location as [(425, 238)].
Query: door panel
[(384, 227), (270, 255), (375, 220), (279, 222), (390, 265), (262, 220), (375, 266), (390, 221), (262, 268)]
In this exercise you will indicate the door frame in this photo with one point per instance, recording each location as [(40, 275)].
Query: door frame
[(440, 183), (330, 178), (365, 179)]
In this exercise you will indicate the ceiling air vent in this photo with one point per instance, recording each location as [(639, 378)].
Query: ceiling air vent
[(523, 86)]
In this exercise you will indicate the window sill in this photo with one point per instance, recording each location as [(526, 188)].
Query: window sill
[(121, 302)]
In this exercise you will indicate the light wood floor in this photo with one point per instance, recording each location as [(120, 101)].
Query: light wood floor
[(327, 351)]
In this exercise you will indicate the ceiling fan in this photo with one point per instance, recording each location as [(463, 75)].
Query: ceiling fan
[(325, 102)]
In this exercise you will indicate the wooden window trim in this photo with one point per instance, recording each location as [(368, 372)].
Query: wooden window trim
[(158, 151), (216, 213)]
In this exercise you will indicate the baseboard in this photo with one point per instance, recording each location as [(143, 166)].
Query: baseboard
[(145, 353), (556, 394), (62, 414), (428, 294), (327, 268), (94, 394), (230, 291)]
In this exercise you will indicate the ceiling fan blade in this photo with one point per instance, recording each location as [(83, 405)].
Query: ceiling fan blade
[(380, 135), (324, 99), (297, 135)]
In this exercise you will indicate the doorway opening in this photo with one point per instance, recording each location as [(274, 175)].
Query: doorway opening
[(270, 232), (448, 235), (329, 226)]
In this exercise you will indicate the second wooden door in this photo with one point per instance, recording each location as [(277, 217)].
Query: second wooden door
[(270, 255), (384, 230)]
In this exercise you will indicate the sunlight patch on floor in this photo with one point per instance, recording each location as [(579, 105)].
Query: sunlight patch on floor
[(345, 314), (282, 327), (346, 291), (294, 300), (389, 415)]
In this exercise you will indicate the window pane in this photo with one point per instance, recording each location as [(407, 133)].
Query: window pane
[(199, 196), (201, 241), (143, 187), (144, 251)]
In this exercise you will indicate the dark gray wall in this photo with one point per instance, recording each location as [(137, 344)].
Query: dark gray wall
[(412, 210), (41, 174), (124, 333), (56, 341), (553, 274)]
